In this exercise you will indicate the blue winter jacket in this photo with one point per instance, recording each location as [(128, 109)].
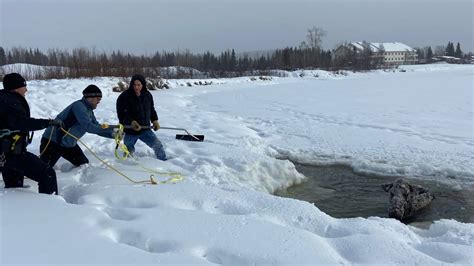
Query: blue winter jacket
[(78, 119)]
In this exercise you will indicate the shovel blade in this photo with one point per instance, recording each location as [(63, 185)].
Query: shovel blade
[(189, 137)]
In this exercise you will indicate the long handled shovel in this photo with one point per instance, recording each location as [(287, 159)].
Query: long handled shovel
[(188, 136)]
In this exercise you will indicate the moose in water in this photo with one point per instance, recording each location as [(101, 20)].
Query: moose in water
[(406, 199)]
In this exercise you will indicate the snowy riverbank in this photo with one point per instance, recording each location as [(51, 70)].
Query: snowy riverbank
[(416, 123)]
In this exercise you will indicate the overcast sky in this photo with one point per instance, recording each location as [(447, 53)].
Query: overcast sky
[(143, 27)]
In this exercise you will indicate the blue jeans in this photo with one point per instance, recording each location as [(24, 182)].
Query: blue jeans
[(150, 139)]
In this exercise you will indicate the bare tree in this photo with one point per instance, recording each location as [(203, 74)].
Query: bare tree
[(315, 37), (440, 50), (344, 55), (379, 58), (365, 57)]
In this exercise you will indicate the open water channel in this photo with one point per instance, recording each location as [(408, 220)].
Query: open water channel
[(341, 193)]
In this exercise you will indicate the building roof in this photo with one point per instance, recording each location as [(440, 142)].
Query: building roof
[(387, 46)]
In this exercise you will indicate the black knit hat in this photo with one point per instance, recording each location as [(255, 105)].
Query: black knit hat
[(13, 81), (92, 91), (139, 77)]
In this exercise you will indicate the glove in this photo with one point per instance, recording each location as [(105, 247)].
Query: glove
[(56, 123), (117, 134), (156, 125), (136, 126)]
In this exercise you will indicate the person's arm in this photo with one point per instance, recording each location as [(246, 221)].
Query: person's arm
[(31, 124), (24, 124), (89, 124), (123, 111), (105, 132), (154, 115)]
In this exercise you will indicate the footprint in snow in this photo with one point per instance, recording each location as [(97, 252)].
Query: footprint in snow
[(134, 203), (138, 240), (119, 213)]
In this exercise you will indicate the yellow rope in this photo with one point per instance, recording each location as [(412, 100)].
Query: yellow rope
[(175, 176), (119, 144), (118, 140), (49, 141)]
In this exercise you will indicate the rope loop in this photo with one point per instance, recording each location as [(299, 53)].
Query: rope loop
[(174, 176)]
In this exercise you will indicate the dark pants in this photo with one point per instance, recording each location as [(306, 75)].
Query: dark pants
[(54, 151), (17, 166)]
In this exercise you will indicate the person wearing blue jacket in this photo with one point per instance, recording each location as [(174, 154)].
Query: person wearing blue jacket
[(78, 119)]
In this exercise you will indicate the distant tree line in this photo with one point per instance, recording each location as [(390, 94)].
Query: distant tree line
[(451, 52), (84, 62), (426, 54)]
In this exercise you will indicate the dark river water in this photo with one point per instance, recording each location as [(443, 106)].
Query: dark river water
[(341, 193)]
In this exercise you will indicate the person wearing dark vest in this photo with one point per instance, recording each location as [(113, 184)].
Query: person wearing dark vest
[(15, 127), (135, 108), (78, 119)]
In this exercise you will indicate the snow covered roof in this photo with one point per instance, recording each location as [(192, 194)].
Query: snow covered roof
[(395, 47), (360, 46), (387, 46)]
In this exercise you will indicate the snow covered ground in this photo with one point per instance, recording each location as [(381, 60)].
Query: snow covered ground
[(417, 123)]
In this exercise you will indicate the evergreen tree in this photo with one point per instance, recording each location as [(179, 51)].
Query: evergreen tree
[(52, 58), (10, 57), (156, 60), (286, 58), (450, 49), (429, 54), (3, 57), (458, 52), (233, 61), (420, 53)]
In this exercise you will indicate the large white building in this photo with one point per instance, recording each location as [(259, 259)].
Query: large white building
[(391, 53)]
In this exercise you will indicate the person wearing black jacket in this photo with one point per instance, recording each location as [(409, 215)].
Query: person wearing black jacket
[(135, 108), (15, 126)]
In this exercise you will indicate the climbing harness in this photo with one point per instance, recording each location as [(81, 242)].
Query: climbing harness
[(7, 132), (9, 144), (6, 145)]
